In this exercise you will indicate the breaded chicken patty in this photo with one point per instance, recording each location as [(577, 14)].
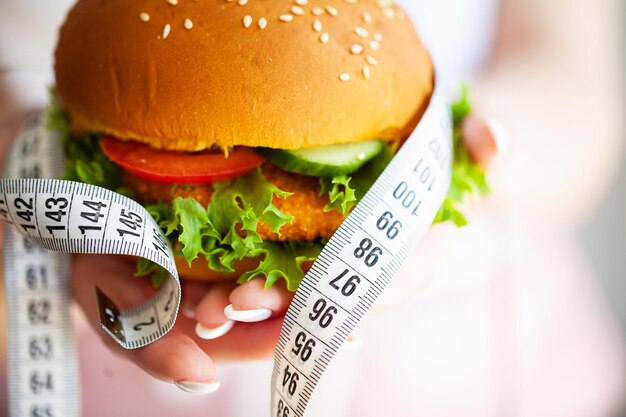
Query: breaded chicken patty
[(306, 204)]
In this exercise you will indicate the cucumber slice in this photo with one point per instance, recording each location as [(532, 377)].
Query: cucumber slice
[(325, 161)]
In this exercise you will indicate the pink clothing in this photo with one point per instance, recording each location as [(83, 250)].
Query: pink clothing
[(514, 326)]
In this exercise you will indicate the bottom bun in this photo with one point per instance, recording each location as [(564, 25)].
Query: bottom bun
[(199, 270)]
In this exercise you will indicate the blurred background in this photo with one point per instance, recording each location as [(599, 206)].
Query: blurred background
[(523, 313)]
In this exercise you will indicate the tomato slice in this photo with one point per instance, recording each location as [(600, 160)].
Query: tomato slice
[(179, 167)]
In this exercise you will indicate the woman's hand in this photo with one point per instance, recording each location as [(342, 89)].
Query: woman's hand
[(222, 321), (182, 356)]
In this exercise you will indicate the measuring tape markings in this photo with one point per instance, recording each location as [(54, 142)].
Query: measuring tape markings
[(42, 368), (351, 273), (76, 218), (97, 221)]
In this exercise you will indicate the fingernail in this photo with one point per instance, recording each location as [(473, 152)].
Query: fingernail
[(209, 333), (198, 387), (247, 316), (188, 311), (353, 343), (501, 135)]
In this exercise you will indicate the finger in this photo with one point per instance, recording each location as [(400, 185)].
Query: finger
[(212, 323), (246, 341), (173, 358), (484, 139), (177, 358), (251, 302), (192, 293)]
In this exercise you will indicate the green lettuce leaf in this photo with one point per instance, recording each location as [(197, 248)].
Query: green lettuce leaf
[(226, 231), (282, 261), (468, 179), (341, 195), (157, 273)]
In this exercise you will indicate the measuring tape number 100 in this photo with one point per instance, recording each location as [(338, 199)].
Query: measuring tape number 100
[(52, 218)]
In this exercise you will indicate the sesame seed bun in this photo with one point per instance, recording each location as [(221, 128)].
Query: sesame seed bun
[(190, 75)]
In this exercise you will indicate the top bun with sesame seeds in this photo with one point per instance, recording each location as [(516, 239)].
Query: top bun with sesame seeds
[(192, 75)]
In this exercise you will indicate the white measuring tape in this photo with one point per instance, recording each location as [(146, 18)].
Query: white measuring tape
[(67, 217), (349, 275), (361, 258)]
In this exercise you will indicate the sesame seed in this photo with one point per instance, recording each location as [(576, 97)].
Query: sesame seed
[(301, 2), (374, 45), (166, 31), (324, 37), (367, 18), (345, 77), (286, 17), (317, 11), (356, 49), (389, 13), (173, 2), (247, 21), (366, 72), (378, 37), (371, 60), (317, 26), (188, 24), (361, 32), (351, 1), (297, 10), (242, 2), (332, 11), (262, 23), (144, 17)]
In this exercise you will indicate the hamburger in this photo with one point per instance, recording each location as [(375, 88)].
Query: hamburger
[(248, 128)]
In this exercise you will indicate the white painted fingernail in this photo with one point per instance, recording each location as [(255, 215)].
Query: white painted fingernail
[(501, 135), (198, 387), (247, 316), (353, 343), (188, 311), (209, 333)]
